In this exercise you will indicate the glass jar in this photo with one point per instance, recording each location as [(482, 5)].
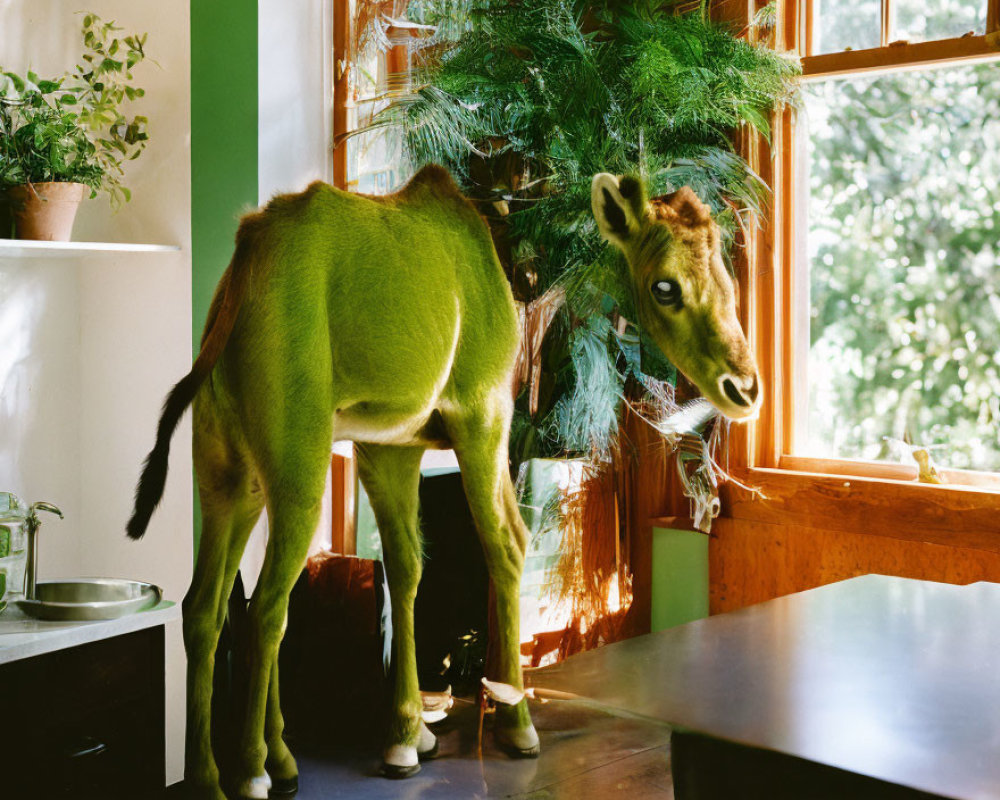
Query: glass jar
[(13, 543)]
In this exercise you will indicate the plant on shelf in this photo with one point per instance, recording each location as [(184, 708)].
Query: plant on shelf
[(60, 138)]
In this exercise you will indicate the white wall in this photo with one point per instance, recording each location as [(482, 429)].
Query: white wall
[(295, 94), (39, 369), (89, 347)]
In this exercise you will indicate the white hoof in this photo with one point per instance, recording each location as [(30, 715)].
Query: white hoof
[(256, 788), (519, 742), (401, 755), (400, 761)]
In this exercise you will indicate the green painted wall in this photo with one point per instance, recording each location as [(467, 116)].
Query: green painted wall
[(223, 144), (680, 577)]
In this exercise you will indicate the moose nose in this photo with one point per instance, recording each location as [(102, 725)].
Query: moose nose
[(742, 391)]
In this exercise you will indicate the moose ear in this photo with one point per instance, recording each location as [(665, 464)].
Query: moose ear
[(688, 208), (614, 204)]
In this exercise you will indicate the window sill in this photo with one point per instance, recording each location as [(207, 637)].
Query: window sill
[(884, 470), (950, 515)]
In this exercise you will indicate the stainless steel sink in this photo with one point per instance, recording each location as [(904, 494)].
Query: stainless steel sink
[(90, 599)]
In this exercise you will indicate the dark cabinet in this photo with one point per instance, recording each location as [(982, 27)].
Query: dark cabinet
[(86, 721)]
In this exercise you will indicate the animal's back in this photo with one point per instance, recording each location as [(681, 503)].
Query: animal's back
[(393, 302)]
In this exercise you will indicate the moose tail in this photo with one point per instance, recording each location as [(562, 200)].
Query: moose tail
[(149, 491)]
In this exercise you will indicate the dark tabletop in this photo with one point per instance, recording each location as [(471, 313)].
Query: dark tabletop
[(892, 678)]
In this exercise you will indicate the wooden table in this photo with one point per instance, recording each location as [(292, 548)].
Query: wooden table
[(871, 687)]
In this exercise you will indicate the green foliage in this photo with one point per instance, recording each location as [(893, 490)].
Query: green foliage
[(526, 101), (72, 129), (585, 418), (40, 137), (905, 264)]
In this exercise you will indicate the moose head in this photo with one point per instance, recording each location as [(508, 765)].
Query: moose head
[(684, 295)]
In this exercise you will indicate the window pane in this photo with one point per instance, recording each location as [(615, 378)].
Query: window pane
[(904, 221), (846, 25), (924, 20), (375, 162)]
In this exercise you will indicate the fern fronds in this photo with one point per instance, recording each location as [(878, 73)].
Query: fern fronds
[(525, 101)]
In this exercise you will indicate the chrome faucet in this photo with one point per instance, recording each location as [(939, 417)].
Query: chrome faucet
[(32, 524)]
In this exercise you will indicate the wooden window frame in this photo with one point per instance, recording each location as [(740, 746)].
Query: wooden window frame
[(341, 88), (856, 496)]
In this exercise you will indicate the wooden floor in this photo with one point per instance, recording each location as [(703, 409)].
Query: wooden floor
[(587, 754)]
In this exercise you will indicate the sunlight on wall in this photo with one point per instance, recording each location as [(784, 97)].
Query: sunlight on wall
[(39, 352)]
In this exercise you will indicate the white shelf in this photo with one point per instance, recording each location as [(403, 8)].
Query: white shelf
[(23, 248)]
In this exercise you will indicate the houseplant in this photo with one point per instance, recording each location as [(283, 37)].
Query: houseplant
[(63, 138), (525, 101)]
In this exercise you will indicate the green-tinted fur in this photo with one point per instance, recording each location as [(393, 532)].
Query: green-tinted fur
[(672, 240), (384, 320), (389, 321)]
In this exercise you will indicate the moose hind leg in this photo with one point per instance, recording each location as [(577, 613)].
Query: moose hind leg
[(280, 764), (480, 443), (391, 477), (226, 524), (295, 494)]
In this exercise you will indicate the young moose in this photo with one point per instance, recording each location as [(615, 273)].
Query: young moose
[(388, 321)]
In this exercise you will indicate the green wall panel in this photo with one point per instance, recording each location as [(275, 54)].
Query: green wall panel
[(223, 143), (680, 577)]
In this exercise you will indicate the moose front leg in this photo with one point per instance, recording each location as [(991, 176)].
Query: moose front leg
[(481, 446), (391, 477)]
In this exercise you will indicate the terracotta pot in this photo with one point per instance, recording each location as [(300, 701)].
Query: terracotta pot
[(46, 211)]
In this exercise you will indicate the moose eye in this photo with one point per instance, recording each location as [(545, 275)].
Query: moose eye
[(667, 293)]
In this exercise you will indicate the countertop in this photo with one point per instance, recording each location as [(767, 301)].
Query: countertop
[(24, 637)]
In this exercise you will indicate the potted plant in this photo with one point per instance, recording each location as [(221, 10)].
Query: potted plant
[(525, 102), (64, 138)]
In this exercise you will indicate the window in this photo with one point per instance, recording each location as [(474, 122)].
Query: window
[(903, 247), (862, 24), (374, 52), (380, 71), (891, 223)]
